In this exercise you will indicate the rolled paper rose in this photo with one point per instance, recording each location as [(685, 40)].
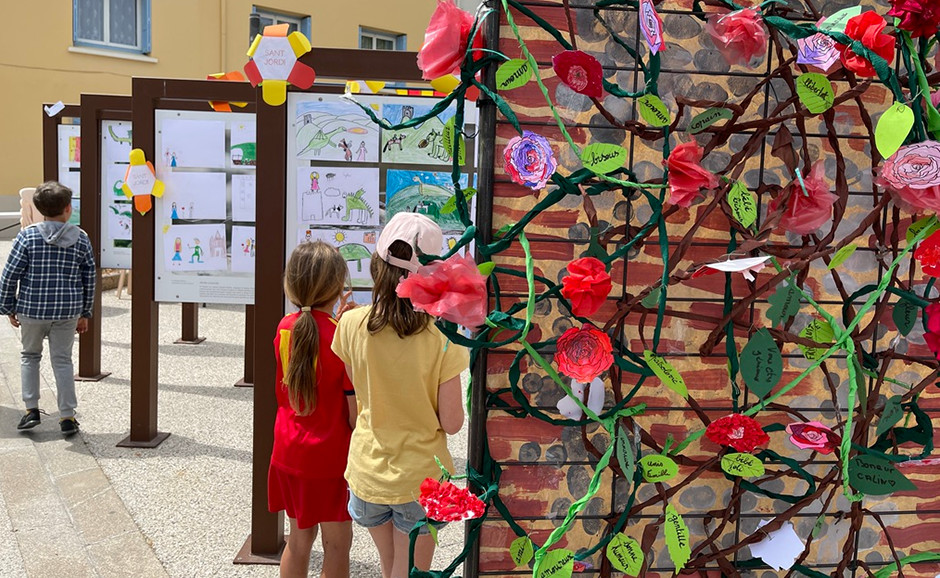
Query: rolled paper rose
[(817, 50), (806, 210), (932, 335), (867, 28), (919, 17), (687, 177), (813, 436), (529, 160), (739, 36), (584, 353), (928, 255), (586, 285), (737, 431), (580, 71), (445, 502), (445, 41), (453, 290), (913, 175)]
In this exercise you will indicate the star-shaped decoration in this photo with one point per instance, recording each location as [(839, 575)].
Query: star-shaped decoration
[(274, 63), (140, 182)]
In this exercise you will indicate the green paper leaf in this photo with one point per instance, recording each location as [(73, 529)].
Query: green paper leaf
[(594, 248), (625, 554), (556, 564), (820, 332), (761, 363), (447, 141), (653, 110), (666, 373), (905, 314), (893, 127), (658, 468), (743, 204), (486, 269), (521, 551), (651, 301), (837, 21), (742, 465), (433, 530), (891, 415), (677, 538), (784, 303), (504, 229), (815, 92), (861, 386), (876, 477), (703, 120), (918, 226), (451, 205), (841, 255), (625, 454), (818, 526), (513, 74), (602, 158)]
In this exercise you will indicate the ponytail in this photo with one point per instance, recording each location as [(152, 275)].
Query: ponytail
[(301, 375)]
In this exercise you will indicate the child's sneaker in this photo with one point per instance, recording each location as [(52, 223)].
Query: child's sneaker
[(30, 420), (69, 426)]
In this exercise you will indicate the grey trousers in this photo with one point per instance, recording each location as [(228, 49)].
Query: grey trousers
[(61, 336)]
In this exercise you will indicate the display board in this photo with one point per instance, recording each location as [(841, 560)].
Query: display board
[(204, 238), (70, 158), (116, 208)]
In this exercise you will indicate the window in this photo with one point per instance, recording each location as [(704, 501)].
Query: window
[(376, 40), (269, 18), (113, 24)]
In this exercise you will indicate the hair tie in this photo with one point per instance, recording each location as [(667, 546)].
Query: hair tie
[(305, 309)]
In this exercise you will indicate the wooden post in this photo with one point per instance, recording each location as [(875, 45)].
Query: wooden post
[(190, 329), (249, 378)]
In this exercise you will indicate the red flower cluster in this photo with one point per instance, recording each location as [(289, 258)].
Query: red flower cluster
[(928, 254), (586, 285), (738, 431), (584, 353), (932, 336), (919, 17), (445, 502), (686, 175), (806, 211), (866, 27)]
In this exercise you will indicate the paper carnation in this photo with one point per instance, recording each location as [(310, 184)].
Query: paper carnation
[(453, 290)]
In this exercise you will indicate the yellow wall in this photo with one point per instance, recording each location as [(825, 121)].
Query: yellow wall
[(190, 38)]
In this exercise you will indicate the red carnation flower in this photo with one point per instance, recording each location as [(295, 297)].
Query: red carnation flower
[(584, 353), (738, 431), (586, 285), (928, 255), (919, 17), (445, 502), (806, 211), (687, 177), (866, 28), (932, 335)]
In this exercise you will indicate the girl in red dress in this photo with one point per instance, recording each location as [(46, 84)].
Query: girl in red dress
[(315, 402)]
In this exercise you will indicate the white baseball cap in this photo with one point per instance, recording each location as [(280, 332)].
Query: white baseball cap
[(419, 231)]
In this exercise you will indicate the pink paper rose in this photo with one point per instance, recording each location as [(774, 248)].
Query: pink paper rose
[(813, 436), (453, 290), (687, 177), (740, 36), (445, 41), (913, 175), (806, 211)]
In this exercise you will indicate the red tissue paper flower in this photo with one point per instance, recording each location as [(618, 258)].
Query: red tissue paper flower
[(866, 27), (445, 502), (740, 36), (813, 436), (584, 353), (586, 285), (738, 431), (928, 255), (919, 17), (445, 41), (453, 290), (686, 175), (580, 71), (913, 175), (806, 211), (932, 335)]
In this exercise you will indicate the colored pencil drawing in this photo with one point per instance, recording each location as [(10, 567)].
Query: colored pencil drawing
[(243, 249), (243, 198), (69, 145), (334, 130), (422, 192), (192, 143), (338, 196), (243, 152), (195, 248), (117, 136), (191, 196), (356, 246), (119, 221), (423, 144)]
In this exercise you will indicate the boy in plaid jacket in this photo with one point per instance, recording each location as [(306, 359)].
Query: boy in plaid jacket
[(47, 289)]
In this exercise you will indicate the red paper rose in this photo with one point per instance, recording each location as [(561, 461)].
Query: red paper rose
[(586, 285), (740, 36), (445, 41), (453, 290), (806, 212), (738, 431), (445, 502), (932, 335), (913, 175), (866, 27), (584, 353), (919, 17), (813, 436), (686, 175), (580, 71), (928, 255)]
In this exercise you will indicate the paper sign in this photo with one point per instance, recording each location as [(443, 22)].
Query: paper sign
[(677, 538), (841, 255), (666, 373), (651, 25), (820, 332), (521, 551), (653, 110), (658, 468), (891, 415), (815, 92), (904, 313), (837, 22), (625, 454), (743, 204), (703, 120), (513, 74), (625, 554), (761, 363), (602, 158), (742, 465), (919, 226), (780, 548), (877, 477), (784, 303), (556, 564), (893, 127)]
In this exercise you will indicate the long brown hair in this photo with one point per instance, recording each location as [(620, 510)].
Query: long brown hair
[(314, 277), (387, 307)]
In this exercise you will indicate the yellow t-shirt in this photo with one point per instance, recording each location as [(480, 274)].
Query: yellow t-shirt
[(397, 432)]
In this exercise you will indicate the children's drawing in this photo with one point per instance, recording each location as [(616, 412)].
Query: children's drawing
[(422, 144), (356, 246), (192, 196), (338, 196), (329, 129), (70, 145), (244, 145), (111, 188), (192, 143), (119, 221), (195, 248), (72, 180), (243, 198), (422, 192), (76, 218), (243, 249), (117, 137)]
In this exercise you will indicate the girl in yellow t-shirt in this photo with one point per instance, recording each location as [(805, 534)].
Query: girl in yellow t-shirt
[(407, 380)]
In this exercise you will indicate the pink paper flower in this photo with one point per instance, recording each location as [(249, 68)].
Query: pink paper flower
[(529, 160), (453, 290), (445, 502), (687, 177), (445, 41), (580, 71), (806, 211), (913, 175), (740, 36), (813, 436)]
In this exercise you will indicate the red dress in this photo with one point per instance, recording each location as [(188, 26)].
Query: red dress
[(309, 456)]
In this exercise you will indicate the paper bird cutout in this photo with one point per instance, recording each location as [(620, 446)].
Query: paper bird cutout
[(274, 63), (746, 267), (140, 182), (222, 105)]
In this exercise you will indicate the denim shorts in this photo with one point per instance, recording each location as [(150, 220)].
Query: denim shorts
[(403, 516)]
